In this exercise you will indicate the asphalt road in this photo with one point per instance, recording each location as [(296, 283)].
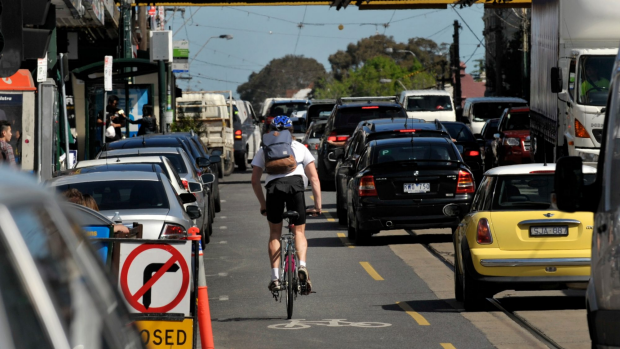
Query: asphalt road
[(393, 294)]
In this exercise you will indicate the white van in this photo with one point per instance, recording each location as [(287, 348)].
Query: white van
[(477, 111), (429, 105)]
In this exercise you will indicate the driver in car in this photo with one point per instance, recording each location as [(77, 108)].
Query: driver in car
[(593, 82)]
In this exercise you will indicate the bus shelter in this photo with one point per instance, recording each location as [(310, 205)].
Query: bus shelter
[(135, 81)]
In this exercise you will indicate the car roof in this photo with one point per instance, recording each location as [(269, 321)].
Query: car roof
[(519, 110), (104, 177), (110, 160), (19, 184), (494, 99), (528, 169), (151, 150), (453, 123), (426, 93), (408, 140), (383, 125), (111, 167), (139, 142), (291, 101), (369, 103)]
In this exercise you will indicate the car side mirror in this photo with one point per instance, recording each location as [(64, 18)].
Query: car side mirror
[(187, 198), (497, 135), (203, 162), (569, 184), (208, 178), (194, 187), (215, 159), (193, 211), (556, 80), (452, 210)]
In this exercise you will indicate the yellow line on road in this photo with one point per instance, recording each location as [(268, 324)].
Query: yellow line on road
[(329, 216), (371, 271), (447, 346), (414, 314), (345, 241)]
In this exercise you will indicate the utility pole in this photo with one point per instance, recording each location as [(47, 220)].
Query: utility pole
[(456, 65), (526, 65)]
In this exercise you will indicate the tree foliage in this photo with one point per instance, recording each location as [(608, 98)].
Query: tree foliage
[(281, 74)]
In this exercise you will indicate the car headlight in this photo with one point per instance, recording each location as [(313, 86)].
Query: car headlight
[(513, 142)]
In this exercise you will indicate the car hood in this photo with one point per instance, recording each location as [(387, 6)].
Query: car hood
[(152, 220), (517, 133), (446, 115)]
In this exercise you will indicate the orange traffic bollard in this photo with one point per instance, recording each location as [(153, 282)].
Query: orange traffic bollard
[(204, 312)]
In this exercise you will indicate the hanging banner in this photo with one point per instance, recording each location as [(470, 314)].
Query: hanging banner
[(107, 73)]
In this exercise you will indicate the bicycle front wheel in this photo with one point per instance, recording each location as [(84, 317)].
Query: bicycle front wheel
[(289, 284)]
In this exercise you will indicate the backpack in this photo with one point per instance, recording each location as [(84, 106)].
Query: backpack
[(278, 152)]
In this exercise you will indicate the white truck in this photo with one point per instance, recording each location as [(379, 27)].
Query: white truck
[(214, 119), (574, 44)]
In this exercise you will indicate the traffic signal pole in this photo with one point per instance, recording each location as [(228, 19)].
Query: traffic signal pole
[(456, 65)]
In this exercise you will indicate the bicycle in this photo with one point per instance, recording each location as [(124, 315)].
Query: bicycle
[(289, 281)]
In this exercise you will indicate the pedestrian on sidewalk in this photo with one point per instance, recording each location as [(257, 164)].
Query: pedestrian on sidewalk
[(6, 150)]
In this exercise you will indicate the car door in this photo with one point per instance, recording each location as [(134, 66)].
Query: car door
[(353, 184), (497, 142)]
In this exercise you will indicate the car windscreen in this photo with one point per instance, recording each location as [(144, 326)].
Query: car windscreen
[(400, 152), (517, 121), (459, 132), (527, 192), (123, 194), (175, 159), (350, 117), (492, 110), (428, 103), (299, 125), (287, 108)]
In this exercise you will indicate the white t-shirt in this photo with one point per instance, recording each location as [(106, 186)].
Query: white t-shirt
[(302, 156)]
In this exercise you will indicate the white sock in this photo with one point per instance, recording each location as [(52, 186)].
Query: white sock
[(274, 273), (302, 263)]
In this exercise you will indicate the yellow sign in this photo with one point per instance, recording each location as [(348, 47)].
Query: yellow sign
[(167, 334)]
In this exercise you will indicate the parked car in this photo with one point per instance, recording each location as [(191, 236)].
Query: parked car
[(319, 109), (514, 237), (313, 135), (468, 146), (54, 291), (404, 183), (511, 144), (428, 105), (346, 115), (478, 110), (486, 134), (247, 133), (143, 197), (157, 164), (368, 131)]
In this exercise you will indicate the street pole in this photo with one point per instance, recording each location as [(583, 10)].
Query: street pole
[(456, 65), (162, 95)]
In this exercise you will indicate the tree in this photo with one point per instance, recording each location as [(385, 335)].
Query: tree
[(281, 74)]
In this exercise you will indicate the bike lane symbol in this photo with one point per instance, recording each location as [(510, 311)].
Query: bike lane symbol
[(300, 324), (149, 279)]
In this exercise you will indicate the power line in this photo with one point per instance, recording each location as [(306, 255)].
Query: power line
[(198, 75), (233, 56), (473, 53), (447, 27), (276, 33), (300, 25), (468, 27), (224, 66), (187, 20)]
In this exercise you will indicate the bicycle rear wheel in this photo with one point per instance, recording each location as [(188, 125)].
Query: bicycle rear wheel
[(289, 284)]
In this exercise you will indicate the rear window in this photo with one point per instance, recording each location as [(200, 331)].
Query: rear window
[(123, 194), (413, 152), (287, 108), (317, 131), (351, 116), (460, 132), (299, 125), (428, 103), (526, 192), (486, 111), (175, 159), (517, 121), (490, 129)]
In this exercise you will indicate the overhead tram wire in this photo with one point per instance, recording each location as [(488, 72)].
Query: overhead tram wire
[(476, 36), (198, 75), (185, 22), (300, 25), (278, 33), (224, 66), (388, 23)]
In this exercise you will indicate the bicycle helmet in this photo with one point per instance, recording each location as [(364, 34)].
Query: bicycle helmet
[(281, 122)]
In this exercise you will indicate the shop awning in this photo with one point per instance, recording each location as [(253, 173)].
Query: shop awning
[(122, 68), (20, 81)]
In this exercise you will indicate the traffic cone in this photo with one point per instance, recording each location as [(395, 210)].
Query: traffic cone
[(204, 313)]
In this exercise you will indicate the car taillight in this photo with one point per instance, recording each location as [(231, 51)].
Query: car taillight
[(406, 131), (546, 171), (483, 233), (185, 184), (371, 107), (465, 183), (367, 186), (306, 145), (580, 130), (473, 153), (316, 146), (334, 137), (238, 134), (173, 231)]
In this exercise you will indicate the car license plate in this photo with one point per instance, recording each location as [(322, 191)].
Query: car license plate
[(549, 231), (415, 188)]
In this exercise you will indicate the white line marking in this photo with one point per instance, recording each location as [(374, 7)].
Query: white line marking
[(223, 227), (222, 200), (222, 274), (223, 242), (223, 298), (223, 217)]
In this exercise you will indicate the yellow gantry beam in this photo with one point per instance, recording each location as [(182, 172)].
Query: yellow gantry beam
[(364, 5)]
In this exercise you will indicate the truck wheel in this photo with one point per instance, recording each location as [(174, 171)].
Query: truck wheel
[(229, 166)]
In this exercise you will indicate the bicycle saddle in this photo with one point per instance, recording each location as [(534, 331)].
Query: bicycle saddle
[(290, 215)]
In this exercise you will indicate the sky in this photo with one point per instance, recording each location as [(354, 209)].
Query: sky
[(261, 34)]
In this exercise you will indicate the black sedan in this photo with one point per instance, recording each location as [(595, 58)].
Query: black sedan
[(404, 183), (468, 146)]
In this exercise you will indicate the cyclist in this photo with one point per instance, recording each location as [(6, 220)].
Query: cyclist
[(286, 189)]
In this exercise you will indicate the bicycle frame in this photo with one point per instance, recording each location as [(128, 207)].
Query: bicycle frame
[(288, 277)]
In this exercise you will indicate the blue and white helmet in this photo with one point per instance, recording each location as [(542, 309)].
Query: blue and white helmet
[(281, 122)]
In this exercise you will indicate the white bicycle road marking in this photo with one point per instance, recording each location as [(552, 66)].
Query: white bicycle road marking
[(299, 324)]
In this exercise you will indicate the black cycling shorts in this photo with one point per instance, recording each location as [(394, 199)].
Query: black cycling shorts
[(289, 192)]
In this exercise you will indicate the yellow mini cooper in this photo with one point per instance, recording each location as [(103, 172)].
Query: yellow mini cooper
[(514, 238)]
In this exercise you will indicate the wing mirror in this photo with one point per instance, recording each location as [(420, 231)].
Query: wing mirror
[(568, 182), (452, 210), (497, 135), (187, 198), (194, 187), (203, 162), (193, 211), (208, 178)]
